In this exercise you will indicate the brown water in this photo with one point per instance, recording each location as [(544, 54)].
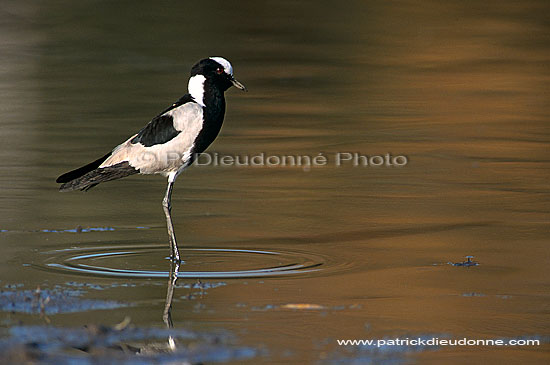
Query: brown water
[(297, 257)]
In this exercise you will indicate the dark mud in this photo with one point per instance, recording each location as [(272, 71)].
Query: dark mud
[(469, 262), (121, 344)]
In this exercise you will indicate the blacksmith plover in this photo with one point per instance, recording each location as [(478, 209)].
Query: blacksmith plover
[(171, 140)]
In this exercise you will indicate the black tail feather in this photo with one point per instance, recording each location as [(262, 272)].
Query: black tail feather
[(91, 178), (81, 171)]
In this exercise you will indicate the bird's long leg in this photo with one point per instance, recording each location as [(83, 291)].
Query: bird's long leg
[(166, 204), (167, 314)]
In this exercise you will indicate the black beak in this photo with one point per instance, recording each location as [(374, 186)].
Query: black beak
[(238, 85)]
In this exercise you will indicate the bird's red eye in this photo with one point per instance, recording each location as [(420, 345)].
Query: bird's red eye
[(219, 71)]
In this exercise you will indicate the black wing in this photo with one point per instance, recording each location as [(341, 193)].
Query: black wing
[(161, 129), (71, 175), (94, 177)]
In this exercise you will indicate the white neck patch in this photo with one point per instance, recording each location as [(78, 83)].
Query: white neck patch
[(225, 63), (196, 88)]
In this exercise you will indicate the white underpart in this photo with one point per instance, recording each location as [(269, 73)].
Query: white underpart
[(225, 63), (196, 88), (169, 158)]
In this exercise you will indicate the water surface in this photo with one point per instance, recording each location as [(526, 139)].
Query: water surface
[(459, 88)]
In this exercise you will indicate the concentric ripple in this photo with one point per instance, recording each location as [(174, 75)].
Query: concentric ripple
[(150, 262)]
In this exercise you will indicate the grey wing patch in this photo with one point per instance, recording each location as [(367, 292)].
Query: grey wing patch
[(187, 118), (169, 124), (166, 157), (160, 130)]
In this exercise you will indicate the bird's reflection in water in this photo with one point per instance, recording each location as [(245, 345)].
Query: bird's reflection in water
[(167, 315)]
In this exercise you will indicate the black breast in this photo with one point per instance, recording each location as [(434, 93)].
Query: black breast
[(213, 114)]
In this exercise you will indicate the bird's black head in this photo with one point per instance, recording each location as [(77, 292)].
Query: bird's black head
[(218, 71)]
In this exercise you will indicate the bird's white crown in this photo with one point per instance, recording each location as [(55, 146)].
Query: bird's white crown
[(225, 63)]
